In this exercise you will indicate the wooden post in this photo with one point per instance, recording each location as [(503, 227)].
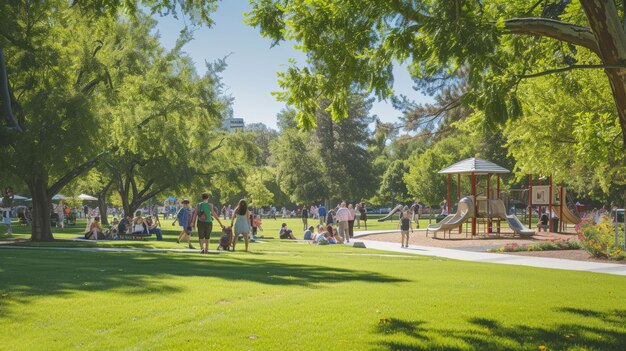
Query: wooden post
[(448, 199), (529, 210), (561, 221), (489, 224), (458, 196), (505, 209), (475, 205), (550, 204)]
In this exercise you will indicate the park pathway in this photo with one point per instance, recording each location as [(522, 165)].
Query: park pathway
[(474, 256)]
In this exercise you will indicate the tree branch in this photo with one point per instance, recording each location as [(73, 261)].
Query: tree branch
[(68, 177), (216, 147), (569, 68), (5, 96), (559, 30)]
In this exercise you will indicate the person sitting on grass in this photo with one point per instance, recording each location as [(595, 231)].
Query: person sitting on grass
[(113, 231), (322, 238), (95, 228), (286, 233), (308, 234), (153, 228), (139, 224), (124, 226), (336, 238)]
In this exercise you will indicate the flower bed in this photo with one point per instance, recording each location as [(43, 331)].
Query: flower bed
[(546, 245), (599, 239)]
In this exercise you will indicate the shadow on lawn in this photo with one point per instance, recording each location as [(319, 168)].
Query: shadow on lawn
[(489, 334), (25, 274)]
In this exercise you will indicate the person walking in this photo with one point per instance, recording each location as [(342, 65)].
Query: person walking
[(305, 216), (342, 217), (405, 225), (7, 208), (351, 219), (363, 211), (203, 217), (60, 211), (242, 223), (183, 217), (322, 214)]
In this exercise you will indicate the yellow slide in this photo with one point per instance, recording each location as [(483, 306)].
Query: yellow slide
[(567, 216)]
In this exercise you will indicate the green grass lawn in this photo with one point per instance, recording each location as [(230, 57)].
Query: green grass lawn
[(289, 295)]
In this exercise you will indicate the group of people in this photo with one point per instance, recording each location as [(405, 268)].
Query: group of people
[(242, 223)]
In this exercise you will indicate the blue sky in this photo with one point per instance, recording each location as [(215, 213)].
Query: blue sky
[(252, 65)]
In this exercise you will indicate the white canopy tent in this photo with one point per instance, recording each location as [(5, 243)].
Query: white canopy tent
[(86, 197)]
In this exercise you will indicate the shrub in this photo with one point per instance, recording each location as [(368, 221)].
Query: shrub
[(599, 239)]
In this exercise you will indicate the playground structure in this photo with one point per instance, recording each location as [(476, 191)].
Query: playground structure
[(391, 213), (485, 208), (555, 200)]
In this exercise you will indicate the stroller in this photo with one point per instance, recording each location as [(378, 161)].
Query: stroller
[(225, 239)]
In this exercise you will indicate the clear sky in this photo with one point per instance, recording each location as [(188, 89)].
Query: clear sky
[(252, 65)]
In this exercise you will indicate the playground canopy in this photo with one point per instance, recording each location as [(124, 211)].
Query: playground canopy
[(474, 165)]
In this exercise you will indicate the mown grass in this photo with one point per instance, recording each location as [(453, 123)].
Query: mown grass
[(293, 296)]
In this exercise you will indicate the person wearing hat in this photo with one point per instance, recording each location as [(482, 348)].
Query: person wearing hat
[(183, 217)]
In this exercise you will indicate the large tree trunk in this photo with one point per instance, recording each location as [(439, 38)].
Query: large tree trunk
[(102, 202), (611, 38), (40, 230), (102, 205)]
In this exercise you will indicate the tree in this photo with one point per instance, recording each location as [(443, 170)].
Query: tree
[(299, 169), (354, 44), (570, 133), (423, 180), (262, 137), (392, 183), (342, 146), (49, 77), (258, 193)]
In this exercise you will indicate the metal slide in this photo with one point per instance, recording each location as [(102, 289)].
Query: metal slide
[(465, 211), (391, 213), (567, 215), (497, 209)]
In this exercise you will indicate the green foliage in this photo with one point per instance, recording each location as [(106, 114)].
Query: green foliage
[(258, 194), (392, 183), (299, 170), (570, 132), (424, 182)]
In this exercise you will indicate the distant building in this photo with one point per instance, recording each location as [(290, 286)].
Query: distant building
[(233, 124)]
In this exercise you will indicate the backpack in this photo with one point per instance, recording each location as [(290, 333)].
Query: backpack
[(181, 216)]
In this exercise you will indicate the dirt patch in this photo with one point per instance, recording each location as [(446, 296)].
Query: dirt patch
[(461, 241), (483, 242)]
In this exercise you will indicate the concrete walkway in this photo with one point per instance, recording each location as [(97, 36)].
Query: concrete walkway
[(542, 262)]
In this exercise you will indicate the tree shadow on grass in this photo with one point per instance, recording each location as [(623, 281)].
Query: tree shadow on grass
[(25, 274), (489, 334)]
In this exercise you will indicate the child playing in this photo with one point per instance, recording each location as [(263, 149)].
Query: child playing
[(405, 224)]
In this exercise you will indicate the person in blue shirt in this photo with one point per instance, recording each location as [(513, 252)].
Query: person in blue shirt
[(183, 217), (322, 213), (308, 234)]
